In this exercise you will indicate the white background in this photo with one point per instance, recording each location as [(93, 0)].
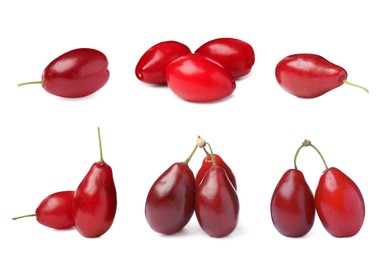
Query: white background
[(48, 144)]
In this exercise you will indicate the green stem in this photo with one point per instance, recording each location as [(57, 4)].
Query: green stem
[(322, 157), (25, 216), (355, 85), (296, 155), (305, 144), (41, 82), (212, 155), (190, 156), (100, 146), (205, 150)]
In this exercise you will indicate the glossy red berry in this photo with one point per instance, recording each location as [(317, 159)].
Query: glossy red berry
[(292, 205), (217, 203), (171, 200), (55, 210), (235, 55), (339, 204), (76, 73), (95, 200), (308, 75), (153, 63), (198, 79)]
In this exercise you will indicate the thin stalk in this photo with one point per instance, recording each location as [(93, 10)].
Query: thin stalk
[(296, 155), (191, 155), (205, 150), (355, 85), (322, 157), (25, 216), (41, 82), (100, 146), (212, 155)]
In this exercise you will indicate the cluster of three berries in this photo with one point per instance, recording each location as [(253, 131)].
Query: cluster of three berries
[(178, 193)]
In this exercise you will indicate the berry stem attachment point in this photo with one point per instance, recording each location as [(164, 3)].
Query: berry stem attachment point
[(200, 142)]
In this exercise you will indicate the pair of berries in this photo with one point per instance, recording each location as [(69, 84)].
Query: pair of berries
[(91, 208), (337, 200)]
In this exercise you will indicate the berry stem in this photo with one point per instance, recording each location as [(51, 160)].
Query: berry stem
[(41, 82), (212, 155), (100, 147), (191, 155), (25, 216), (319, 153), (355, 85), (296, 155), (305, 144), (205, 150)]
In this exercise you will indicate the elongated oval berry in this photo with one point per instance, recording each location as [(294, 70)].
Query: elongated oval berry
[(171, 200), (292, 205), (153, 63), (198, 79), (339, 204), (95, 199), (77, 73), (55, 210), (235, 55), (308, 75), (217, 203)]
